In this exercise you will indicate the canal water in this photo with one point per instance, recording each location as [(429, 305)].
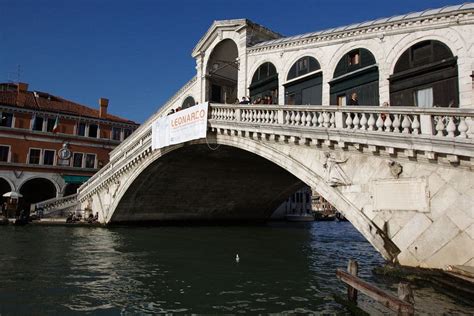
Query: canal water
[(283, 268)]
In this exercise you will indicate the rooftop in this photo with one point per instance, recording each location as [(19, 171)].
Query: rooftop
[(408, 16), (17, 95)]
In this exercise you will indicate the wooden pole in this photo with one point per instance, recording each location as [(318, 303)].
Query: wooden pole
[(405, 293), (353, 269), (388, 300)]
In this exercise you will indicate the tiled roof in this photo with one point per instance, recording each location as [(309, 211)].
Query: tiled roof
[(428, 12), (50, 103)]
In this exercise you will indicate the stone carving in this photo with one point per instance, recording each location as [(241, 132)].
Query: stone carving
[(395, 168), (64, 155), (18, 174), (334, 175)]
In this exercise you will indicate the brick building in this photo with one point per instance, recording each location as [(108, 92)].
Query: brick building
[(49, 146)]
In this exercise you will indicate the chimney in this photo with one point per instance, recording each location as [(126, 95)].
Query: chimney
[(103, 103), (22, 89)]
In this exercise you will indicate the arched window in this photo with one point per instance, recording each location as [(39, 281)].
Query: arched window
[(302, 67), (425, 75), (356, 72), (188, 102), (304, 82), (265, 83)]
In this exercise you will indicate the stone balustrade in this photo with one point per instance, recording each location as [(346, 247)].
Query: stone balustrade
[(440, 122), (445, 126), (56, 204)]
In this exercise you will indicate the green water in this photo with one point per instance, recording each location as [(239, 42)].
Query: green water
[(283, 268)]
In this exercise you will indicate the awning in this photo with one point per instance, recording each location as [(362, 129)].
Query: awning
[(75, 179)]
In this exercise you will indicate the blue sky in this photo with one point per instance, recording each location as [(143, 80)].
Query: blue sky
[(138, 53)]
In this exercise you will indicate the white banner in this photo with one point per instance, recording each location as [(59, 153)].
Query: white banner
[(180, 127)]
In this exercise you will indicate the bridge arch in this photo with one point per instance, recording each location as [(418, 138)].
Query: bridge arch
[(313, 177)]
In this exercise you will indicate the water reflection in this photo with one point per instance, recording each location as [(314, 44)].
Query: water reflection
[(283, 268)]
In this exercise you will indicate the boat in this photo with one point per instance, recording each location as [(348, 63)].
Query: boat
[(320, 217)]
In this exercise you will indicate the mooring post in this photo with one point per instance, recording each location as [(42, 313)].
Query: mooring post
[(352, 268), (405, 293)]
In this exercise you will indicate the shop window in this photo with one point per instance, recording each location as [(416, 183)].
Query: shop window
[(90, 161), (4, 151), (290, 98), (7, 119), (93, 129), (81, 129), (48, 157), (77, 160), (116, 133), (424, 98), (34, 156)]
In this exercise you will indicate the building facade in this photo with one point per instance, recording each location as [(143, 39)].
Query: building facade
[(422, 59), (49, 146)]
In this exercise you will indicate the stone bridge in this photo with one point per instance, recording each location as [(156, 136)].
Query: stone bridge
[(403, 176)]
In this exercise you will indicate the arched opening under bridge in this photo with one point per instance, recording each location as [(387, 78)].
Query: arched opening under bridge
[(197, 183)]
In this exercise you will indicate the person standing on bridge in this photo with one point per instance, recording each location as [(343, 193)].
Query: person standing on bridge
[(354, 99)]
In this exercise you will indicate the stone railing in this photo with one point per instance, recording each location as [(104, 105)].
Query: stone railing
[(360, 125), (57, 204), (439, 122), (138, 147)]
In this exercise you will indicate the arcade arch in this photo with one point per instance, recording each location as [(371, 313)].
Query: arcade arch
[(188, 102), (222, 73), (425, 75), (4, 188), (37, 189), (304, 82), (264, 84), (356, 71)]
